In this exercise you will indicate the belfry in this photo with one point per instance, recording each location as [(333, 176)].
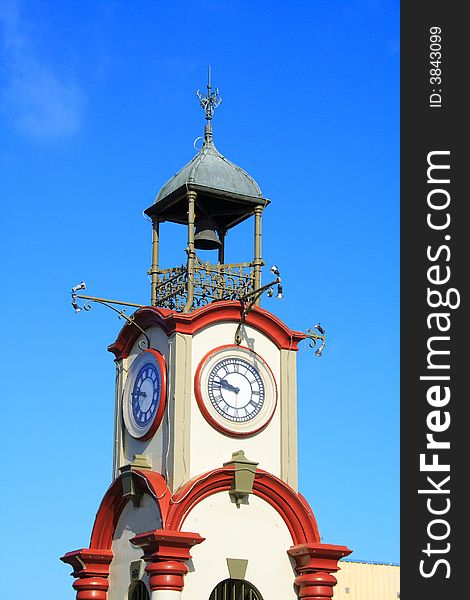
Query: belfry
[(204, 502)]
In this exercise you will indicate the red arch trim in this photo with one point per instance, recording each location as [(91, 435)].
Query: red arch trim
[(113, 504), (189, 323), (291, 506)]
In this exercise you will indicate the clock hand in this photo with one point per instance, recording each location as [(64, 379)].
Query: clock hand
[(225, 384), (139, 393)]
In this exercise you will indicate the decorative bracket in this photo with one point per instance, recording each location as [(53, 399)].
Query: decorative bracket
[(109, 303), (314, 337), (248, 301)]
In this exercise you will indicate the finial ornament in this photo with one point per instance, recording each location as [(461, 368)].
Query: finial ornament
[(210, 101)]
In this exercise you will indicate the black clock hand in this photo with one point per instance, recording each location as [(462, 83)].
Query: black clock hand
[(139, 393), (225, 384)]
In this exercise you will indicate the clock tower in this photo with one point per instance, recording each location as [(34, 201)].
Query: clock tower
[(204, 501)]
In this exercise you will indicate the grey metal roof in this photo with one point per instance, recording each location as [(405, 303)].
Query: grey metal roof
[(210, 169)]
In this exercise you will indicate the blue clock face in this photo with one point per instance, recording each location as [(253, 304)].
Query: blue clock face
[(145, 394)]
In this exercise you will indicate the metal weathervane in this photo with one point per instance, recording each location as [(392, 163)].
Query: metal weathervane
[(211, 100)]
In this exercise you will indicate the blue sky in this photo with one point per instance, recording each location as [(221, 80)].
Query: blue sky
[(97, 111)]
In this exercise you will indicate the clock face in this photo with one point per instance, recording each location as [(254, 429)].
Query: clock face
[(145, 394), (235, 390)]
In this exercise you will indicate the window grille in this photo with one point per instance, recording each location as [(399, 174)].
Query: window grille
[(235, 589)]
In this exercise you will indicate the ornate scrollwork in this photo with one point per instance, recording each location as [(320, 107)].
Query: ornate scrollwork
[(171, 288), (143, 344), (211, 100), (314, 337), (211, 283)]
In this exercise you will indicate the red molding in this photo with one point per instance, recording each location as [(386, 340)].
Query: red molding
[(318, 556), (293, 509), (113, 504), (87, 562), (190, 323), (290, 505), (202, 405)]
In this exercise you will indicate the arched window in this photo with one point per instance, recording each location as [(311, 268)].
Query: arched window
[(138, 591), (235, 589)]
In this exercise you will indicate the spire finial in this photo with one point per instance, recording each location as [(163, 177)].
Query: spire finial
[(210, 101)]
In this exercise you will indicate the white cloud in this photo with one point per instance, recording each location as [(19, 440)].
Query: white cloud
[(35, 98)]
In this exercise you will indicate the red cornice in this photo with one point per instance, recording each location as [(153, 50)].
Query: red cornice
[(88, 562), (165, 544), (165, 553), (189, 323), (318, 556), (91, 570)]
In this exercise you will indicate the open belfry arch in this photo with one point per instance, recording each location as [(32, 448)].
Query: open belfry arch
[(204, 502)]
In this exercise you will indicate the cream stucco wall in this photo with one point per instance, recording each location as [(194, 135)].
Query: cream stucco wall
[(186, 445), (254, 532), (132, 521), (210, 448)]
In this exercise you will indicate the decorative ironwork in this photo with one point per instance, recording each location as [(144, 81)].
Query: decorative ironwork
[(249, 301), (171, 288), (314, 337), (210, 101), (211, 283), (143, 344)]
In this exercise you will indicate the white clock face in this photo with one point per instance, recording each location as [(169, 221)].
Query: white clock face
[(235, 390)]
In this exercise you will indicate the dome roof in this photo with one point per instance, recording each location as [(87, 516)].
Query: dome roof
[(210, 169), (225, 191)]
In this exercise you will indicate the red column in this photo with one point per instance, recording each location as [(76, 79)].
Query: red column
[(165, 553), (91, 570), (315, 564)]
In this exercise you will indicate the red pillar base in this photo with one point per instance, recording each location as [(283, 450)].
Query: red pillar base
[(165, 553), (91, 569), (315, 564)]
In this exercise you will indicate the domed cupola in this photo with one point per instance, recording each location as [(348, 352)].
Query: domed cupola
[(226, 193), (209, 195)]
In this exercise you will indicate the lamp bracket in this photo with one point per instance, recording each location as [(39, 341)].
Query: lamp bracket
[(314, 337), (248, 302), (109, 304)]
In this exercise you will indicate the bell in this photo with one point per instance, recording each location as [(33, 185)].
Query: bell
[(205, 237)]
